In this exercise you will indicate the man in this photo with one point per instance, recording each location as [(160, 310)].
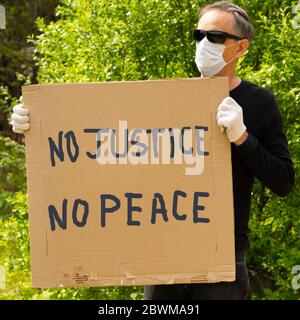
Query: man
[(252, 122)]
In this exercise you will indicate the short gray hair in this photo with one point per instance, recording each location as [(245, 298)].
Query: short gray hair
[(242, 21)]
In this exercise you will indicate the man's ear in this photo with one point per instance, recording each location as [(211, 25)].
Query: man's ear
[(243, 47)]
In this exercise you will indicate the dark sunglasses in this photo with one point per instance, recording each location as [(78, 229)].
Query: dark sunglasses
[(214, 36)]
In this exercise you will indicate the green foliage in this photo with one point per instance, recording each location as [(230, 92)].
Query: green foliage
[(112, 40), (275, 64), (16, 57), (16, 64), (117, 40), (12, 165), (6, 100), (14, 245), (6, 104)]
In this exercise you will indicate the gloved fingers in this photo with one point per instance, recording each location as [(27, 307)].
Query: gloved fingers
[(229, 101), (20, 126), (222, 114), (224, 107), (222, 128), (20, 119), (17, 130), (223, 123), (231, 104), (20, 110), (228, 107)]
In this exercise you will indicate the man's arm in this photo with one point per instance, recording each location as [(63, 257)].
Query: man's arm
[(269, 158)]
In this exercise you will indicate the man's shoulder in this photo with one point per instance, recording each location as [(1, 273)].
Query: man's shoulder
[(259, 91), (262, 99)]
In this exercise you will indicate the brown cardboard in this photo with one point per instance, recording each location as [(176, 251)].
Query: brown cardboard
[(167, 252)]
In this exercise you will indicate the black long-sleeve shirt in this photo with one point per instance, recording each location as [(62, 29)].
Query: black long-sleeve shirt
[(263, 155)]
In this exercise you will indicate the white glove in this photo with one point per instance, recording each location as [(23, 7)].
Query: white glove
[(20, 118), (230, 119)]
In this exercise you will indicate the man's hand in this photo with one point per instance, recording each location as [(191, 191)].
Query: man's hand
[(20, 118), (230, 120)]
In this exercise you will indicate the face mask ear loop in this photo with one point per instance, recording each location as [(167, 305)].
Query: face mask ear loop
[(229, 47)]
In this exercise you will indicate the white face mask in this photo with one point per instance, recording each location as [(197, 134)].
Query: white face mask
[(209, 57)]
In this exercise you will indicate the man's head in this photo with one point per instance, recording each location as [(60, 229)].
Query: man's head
[(227, 17)]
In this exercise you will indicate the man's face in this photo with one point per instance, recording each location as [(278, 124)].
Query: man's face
[(223, 21)]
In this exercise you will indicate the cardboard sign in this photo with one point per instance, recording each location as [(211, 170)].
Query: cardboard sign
[(129, 183)]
